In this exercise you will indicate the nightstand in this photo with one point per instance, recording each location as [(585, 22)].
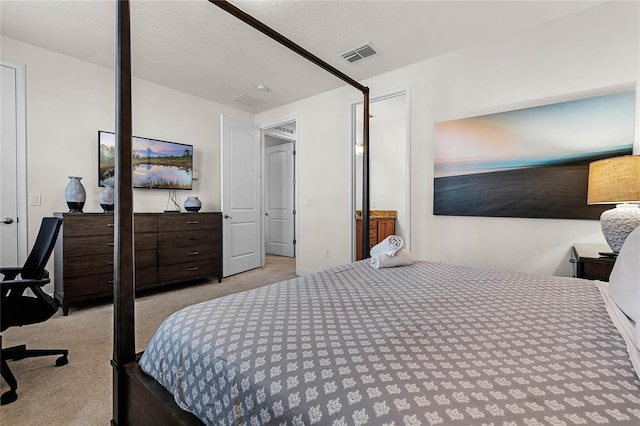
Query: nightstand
[(591, 265)]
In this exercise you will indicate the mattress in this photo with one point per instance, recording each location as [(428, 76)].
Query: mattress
[(424, 344)]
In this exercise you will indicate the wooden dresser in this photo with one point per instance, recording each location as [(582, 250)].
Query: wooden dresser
[(382, 223), (169, 248)]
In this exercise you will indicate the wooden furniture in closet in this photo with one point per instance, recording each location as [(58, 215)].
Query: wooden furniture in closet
[(382, 223), (170, 248)]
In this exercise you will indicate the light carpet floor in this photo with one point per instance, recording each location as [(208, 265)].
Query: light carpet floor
[(80, 393)]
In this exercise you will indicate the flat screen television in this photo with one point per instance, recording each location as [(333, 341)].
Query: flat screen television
[(156, 163)]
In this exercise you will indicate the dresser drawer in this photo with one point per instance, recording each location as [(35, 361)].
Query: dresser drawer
[(145, 223), (81, 266), (146, 259), (88, 246), (188, 221), (78, 225), (175, 255), (146, 276), (95, 284), (145, 242), (102, 284), (187, 271), (191, 238)]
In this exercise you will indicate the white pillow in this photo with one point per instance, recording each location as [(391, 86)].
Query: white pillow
[(624, 282)]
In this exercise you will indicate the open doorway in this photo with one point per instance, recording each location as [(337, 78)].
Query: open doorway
[(389, 169), (279, 199)]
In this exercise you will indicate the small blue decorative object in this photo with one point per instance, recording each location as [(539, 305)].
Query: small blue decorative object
[(192, 204)]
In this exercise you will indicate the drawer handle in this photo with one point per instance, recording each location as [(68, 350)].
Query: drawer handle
[(110, 282), (110, 262), (193, 238), (192, 222), (195, 268), (110, 225), (111, 244), (193, 253)]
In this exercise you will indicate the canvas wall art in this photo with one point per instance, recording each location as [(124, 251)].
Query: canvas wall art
[(156, 163), (531, 162)]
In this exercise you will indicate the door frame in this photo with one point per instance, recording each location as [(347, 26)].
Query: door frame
[(400, 91), (21, 154), (296, 191)]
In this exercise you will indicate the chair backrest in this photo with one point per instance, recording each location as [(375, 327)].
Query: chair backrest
[(42, 248)]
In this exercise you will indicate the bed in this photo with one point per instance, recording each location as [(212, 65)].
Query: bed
[(423, 344), (428, 343)]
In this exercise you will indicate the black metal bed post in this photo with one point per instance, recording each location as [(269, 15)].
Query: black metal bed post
[(271, 33), (123, 293), (365, 178)]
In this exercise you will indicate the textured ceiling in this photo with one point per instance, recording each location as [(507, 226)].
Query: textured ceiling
[(195, 47)]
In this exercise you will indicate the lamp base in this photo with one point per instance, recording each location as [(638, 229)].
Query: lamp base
[(618, 223)]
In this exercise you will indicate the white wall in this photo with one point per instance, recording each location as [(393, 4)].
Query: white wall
[(69, 100), (576, 56)]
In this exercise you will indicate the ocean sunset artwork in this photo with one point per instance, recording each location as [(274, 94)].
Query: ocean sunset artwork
[(531, 162)]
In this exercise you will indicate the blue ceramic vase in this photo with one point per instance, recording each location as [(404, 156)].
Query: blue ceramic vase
[(75, 195)]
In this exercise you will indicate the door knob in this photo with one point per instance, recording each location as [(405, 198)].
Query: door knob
[(8, 220), (226, 216)]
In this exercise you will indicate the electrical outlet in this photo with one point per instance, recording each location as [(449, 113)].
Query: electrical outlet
[(35, 199), (326, 253)]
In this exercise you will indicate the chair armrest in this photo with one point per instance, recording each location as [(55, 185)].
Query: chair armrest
[(18, 285), (10, 272)]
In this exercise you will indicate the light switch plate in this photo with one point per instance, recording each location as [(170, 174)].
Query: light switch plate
[(35, 199)]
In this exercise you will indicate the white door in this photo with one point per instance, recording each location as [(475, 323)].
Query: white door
[(11, 229), (241, 210), (279, 210)]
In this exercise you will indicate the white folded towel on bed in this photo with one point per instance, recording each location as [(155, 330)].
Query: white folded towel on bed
[(401, 258), (390, 246)]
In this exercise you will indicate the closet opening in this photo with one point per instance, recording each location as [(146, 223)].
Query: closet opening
[(389, 170)]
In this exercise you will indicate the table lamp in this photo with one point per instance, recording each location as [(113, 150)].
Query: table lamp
[(616, 181)]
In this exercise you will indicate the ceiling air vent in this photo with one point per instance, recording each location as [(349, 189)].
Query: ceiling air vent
[(248, 100), (358, 53), (284, 130)]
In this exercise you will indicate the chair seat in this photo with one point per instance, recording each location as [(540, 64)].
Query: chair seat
[(25, 310)]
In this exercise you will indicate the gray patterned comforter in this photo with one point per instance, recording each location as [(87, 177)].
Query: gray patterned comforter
[(424, 344)]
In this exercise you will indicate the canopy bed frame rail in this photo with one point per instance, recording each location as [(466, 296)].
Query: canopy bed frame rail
[(137, 398)]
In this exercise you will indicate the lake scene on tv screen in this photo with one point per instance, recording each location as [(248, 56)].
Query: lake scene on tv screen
[(156, 164)]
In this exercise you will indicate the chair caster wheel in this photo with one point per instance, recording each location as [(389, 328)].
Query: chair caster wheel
[(62, 361), (8, 397)]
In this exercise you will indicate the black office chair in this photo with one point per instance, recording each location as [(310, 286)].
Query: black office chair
[(20, 307)]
